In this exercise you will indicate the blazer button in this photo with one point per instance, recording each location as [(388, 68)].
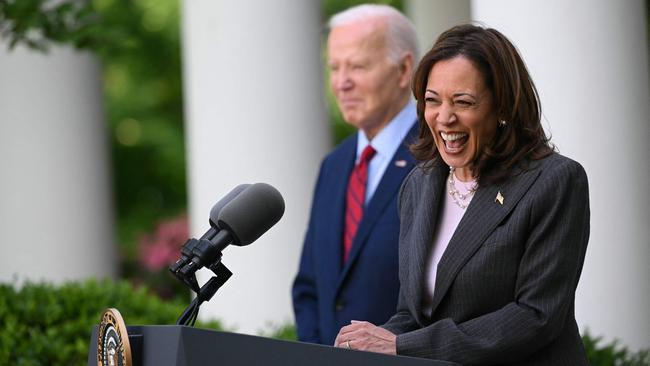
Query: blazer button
[(339, 305)]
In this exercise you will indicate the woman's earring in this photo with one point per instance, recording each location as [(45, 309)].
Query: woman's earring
[(502, 122)]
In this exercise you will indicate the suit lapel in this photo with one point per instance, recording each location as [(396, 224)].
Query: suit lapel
[(483, 215), (385, 192), (424, 218), (334, 253)]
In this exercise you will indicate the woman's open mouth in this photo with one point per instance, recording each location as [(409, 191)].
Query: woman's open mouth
[(454, 141)]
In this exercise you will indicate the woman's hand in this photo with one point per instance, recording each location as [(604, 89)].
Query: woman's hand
[(366, 336)]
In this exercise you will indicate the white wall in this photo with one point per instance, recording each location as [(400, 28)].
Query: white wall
[(589, 60), (254, 113), (432, 17), (56, 218)]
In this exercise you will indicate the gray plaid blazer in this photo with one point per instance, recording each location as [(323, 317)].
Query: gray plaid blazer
[(505, 286)]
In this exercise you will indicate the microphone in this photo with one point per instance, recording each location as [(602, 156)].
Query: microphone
[(216, 209), (241, 221), (188, 247)]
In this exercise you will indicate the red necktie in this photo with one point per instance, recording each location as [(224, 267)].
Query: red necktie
[(355, 199)]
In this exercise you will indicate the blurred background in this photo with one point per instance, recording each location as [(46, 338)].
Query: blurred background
[(123, 121)]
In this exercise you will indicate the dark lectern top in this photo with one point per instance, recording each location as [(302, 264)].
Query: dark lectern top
[(162, 345)]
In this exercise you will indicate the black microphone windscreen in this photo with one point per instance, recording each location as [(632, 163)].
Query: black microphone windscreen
[(252, 213), (216, 209)]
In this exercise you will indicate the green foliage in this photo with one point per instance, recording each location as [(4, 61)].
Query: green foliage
[(43, 324), (285, 332), (613, 354), (36, 22), (143, 89), (138, 44)]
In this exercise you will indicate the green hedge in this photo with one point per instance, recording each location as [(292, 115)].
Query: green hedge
[(613, 353), (43, 324)]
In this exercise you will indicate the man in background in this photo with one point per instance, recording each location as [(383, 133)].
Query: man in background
[(349, 263)]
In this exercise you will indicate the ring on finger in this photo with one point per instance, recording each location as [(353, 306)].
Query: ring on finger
[(347, 344)]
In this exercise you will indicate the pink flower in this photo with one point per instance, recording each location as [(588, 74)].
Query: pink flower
[(162, 248)]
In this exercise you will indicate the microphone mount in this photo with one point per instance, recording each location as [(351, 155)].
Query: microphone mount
[(185, 270)]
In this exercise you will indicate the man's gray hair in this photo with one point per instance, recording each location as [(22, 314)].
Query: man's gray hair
[(400, 35)]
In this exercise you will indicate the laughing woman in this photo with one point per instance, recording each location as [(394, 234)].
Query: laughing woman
[(494, 223)]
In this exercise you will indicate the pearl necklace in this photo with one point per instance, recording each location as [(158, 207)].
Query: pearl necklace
[(460, 199)]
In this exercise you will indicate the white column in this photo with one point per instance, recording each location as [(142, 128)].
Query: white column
[(432, 17), (56, 217), (589, 60), (254, 113)]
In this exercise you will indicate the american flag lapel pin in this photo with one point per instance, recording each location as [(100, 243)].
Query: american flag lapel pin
[(400, 163), (499, 198)]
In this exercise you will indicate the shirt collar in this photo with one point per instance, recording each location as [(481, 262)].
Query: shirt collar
[(390, 137)]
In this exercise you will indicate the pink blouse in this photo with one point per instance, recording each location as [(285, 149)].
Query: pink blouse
[(445, 228)]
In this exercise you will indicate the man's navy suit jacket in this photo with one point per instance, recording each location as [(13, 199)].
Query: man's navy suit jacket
[(327, 294)]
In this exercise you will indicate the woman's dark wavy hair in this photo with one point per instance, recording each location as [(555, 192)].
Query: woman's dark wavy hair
[(515, 99)]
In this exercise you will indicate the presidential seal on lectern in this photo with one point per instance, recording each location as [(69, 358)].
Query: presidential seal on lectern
[(113, 347)]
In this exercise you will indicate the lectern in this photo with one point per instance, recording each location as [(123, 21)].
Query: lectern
[(176, 345)]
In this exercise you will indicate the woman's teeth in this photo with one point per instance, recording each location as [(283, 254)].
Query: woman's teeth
[(452, 136), (454, 140)]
